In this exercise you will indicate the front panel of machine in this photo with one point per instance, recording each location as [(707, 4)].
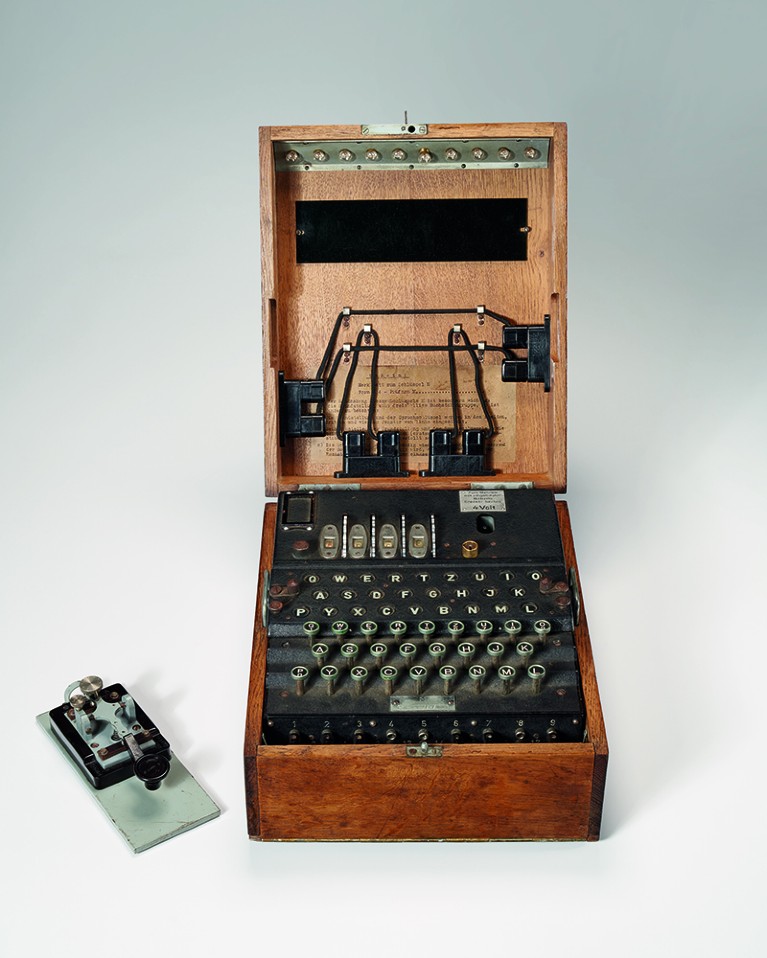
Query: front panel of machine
[(431, 616)]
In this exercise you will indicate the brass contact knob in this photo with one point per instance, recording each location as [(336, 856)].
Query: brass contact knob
[(469, 549)]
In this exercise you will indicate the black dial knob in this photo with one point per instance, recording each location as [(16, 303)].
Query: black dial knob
[(151, 770)]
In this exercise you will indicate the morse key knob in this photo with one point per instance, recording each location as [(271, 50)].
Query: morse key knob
[(149, 767)]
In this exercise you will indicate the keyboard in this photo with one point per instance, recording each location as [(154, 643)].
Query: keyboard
[(423, 616)]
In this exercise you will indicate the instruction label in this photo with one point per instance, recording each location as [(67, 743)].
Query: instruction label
[(482, 500)]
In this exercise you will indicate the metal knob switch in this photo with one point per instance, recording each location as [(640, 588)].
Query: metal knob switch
[(506, 674), (330, 674), (359, 676), (408, 652), (418, 674), (349, 652), (524, 651), (299, 674), (389, 676), (495, 650), (536, 673), (467, 651), (448, 675), (437, 651)]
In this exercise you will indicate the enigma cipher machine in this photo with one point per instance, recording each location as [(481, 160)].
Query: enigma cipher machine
[(421, 663)]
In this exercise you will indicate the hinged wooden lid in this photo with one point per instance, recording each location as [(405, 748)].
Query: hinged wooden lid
[(499, 251)]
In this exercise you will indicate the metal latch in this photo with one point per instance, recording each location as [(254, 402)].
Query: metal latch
[(576, 596), (394, 129), (424, 750)]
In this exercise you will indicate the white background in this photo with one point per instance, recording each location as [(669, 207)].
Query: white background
[(132, 447)]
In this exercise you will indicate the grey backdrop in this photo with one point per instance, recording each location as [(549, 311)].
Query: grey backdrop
[(132, 446)]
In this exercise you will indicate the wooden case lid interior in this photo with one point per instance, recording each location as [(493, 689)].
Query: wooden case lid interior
[(318, 260)]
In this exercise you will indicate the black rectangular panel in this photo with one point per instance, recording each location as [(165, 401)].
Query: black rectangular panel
[(410, 231)]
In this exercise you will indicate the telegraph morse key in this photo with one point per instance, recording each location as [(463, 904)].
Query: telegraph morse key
[(127, 763)]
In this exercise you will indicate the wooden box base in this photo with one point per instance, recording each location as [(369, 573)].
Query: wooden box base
[(534, 792)]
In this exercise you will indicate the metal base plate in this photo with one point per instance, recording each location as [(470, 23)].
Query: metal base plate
[(147, 818)]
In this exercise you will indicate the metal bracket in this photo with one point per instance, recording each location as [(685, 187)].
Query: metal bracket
[(359, 462), (329, 486), (536, 368), (393, 129), (576, 596), (443, 461), (409, 146), (294, 420), (265, 599), (424, 750), (502, 485)]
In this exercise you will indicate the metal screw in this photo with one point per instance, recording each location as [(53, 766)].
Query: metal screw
[(292, 156), (346, 156), (504, 153), (398, 154), (372, 154), (531, 153)]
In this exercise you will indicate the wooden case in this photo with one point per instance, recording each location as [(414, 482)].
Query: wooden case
[(532, 791)]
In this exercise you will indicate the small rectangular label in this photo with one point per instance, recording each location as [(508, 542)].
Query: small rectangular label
[(482, 500), (422, 703)]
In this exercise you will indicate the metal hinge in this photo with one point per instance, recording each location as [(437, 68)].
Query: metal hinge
[(501, 485), (265, 600), (329, 486), (576, 596)]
